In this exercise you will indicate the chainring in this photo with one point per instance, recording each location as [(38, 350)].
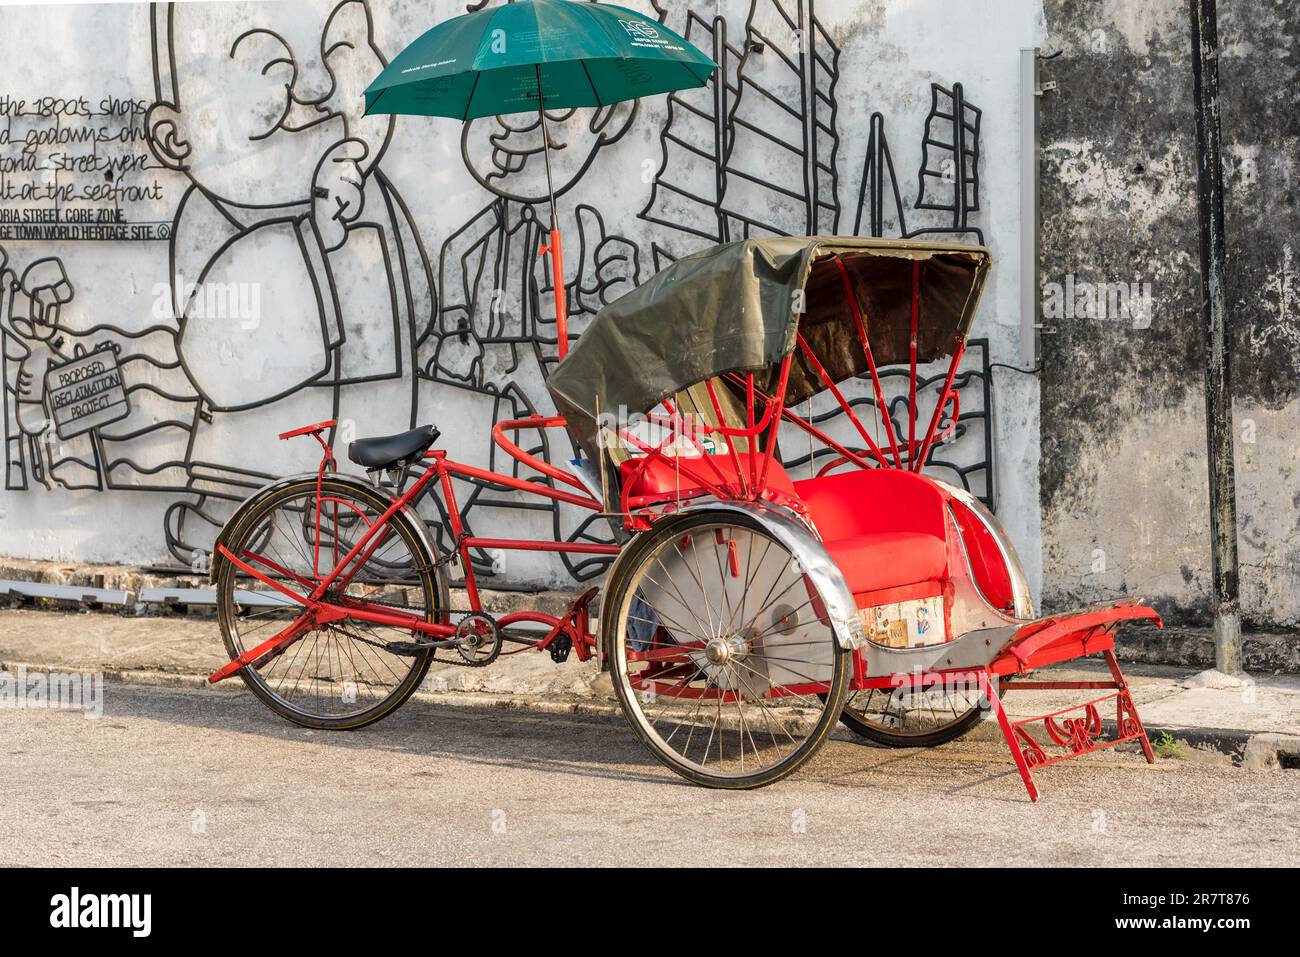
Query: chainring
[(478, 639)]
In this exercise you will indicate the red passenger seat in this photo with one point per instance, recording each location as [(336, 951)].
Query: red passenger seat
[(659, 479), (884, 528)]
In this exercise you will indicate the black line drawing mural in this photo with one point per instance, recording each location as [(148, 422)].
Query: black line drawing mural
[(300, 288), (286, 214), (950, 156), (738, 147), (741, 159), (33, 342), (949, 167), (495, 339)]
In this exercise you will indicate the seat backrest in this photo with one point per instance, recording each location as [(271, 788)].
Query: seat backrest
[(873, 500), (666, 478)]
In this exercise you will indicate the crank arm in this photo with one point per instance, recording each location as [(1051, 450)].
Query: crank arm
[(671, 653), (412, 648)]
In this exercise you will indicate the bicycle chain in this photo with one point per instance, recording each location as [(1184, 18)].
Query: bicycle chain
[(458, 660), (452, 556)]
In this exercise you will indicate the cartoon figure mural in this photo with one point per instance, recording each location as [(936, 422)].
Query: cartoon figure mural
[(298, 281), (34, 342), (299, 286), (495, 337)]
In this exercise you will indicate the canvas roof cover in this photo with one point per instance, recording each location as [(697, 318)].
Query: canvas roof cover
[(739, 306)]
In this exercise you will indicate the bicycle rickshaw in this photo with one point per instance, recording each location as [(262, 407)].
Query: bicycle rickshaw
[(745, 611)]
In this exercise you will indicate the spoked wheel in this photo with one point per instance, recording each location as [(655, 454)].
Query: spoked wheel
[(913, 717), (721, 652), (339, 675)]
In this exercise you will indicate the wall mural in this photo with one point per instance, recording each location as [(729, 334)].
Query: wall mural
[(329, 296)]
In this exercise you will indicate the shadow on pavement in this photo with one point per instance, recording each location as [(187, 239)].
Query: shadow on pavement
[(563, 744)]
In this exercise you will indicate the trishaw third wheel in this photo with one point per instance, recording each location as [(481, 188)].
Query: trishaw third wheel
[(339, 675), (913, 717), (721, 652)]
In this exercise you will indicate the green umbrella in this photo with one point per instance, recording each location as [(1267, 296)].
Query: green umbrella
[(537, 55)]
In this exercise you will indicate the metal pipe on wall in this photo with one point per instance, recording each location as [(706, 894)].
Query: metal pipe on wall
[(1030, 295), (1224, 587)]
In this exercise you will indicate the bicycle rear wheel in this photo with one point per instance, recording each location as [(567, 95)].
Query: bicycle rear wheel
[(339, 675)]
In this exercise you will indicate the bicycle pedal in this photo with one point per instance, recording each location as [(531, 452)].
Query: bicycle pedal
[(560, 648)]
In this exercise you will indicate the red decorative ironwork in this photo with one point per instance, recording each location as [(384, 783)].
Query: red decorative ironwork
[(1127, 723), (1032, 751), (1071, 731), (1076, 733)]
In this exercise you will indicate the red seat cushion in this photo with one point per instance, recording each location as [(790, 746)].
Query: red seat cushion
[(659, 478), (875, 561), (884, 527)]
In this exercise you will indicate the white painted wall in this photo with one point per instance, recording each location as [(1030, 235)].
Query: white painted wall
[(891, 51)]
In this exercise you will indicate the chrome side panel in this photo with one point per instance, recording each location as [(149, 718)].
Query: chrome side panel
[(970, 609), (972, 650), (976, 648), (813, 560)]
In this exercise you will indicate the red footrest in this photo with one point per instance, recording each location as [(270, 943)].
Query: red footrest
[(1079, 734), (1071, 731)]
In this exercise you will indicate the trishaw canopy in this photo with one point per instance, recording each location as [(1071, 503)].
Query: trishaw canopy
[(741, 306)]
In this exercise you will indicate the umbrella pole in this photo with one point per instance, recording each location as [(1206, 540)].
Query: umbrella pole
[(554, 246)]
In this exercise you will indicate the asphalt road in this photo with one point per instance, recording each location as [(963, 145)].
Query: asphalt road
[(171, 776)]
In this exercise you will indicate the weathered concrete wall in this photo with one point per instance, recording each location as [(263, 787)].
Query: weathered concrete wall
[(1124, 481), (419, 333)]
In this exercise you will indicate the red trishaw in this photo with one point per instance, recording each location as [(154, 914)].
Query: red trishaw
[(745, 611)]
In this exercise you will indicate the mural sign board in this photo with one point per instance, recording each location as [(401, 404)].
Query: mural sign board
[(86, 393)]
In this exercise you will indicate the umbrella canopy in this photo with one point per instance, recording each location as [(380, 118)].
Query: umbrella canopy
[(538, 55), (577, 54)]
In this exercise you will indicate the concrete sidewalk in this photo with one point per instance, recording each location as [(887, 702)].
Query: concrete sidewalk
[(1207, 711), (1179, 646)]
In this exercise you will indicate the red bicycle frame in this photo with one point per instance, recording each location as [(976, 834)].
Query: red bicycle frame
[(319, 609)]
